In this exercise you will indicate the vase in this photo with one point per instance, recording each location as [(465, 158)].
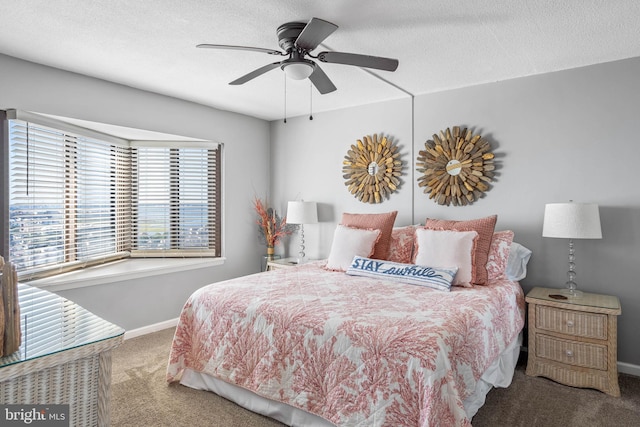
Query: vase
[(270, 256)]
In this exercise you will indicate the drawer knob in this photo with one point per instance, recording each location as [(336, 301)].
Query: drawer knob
[(570, 323), (569, 353)]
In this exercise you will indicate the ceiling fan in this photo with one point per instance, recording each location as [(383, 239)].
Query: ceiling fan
[(298, 39)]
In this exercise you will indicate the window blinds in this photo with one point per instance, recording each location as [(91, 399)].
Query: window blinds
[(63, 194), (175, 200)]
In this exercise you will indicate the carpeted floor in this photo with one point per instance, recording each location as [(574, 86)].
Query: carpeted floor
[(141, 397)]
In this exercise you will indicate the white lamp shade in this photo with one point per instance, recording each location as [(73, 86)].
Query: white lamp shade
[(572, 221), (302, 213)]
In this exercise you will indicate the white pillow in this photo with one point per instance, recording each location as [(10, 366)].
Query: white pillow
[(517, 262), (349, 242), (447, 248)]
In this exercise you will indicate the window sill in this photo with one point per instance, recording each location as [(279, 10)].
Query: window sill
[(118, 271)]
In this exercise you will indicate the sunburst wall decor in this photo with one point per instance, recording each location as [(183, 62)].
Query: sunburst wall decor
[(372, 169), (456, 167)]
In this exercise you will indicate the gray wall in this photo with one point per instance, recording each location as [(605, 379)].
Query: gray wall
[(141, 302), (570, 135)]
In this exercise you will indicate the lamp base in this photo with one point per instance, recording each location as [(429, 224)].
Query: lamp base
[(571, 290), (302, 257)]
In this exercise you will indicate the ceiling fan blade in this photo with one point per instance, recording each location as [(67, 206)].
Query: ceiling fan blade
[(366, 61), (314, 33), (321, 81), (255, 49), (255, 73)]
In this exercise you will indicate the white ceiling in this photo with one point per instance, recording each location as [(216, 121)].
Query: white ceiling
[(441, 44)]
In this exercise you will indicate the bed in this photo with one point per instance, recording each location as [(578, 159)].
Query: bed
[(316, 346)]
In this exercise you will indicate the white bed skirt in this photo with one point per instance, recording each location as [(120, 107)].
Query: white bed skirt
[(499, 374)]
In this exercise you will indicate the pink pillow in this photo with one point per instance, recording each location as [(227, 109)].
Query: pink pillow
[(499, 254), (401, 246), (349, 242), (383, 222), (484, 227), (447, 249)]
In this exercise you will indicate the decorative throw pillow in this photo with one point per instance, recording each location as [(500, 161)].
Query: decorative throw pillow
[(431, 277), (383, 222), (349, 242), (499, 254), (401, 246), (485, 228), (445, 248)]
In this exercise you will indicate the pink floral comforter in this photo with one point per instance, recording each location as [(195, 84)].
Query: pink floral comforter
[(355, 351)]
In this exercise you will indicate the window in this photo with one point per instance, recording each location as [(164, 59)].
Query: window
[(175, 199), (77, 200)]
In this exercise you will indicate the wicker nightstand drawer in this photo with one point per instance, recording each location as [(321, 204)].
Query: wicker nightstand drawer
[(573, 353), (571, 322)]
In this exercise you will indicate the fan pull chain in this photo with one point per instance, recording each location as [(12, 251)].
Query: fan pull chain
[(310, 101), (285, 97)]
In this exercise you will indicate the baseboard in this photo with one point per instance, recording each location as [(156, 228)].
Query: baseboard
[(151, 328), (628, 368)]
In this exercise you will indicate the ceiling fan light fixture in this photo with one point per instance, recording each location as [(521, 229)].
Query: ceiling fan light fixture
[(297, 40), (298, 70)]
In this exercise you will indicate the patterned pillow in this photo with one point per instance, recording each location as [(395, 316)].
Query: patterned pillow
[(499, 254), (383, 222), (484, 227), (446, 248), (431, 277), (401, 247), (349, 242)]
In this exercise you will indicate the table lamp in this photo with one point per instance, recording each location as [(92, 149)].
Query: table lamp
[(572, 221), (300, 212)]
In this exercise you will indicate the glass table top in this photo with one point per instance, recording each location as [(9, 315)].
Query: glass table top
[(51, 323), (606, 302)]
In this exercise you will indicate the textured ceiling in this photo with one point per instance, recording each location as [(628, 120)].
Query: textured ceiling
[(441, 44)]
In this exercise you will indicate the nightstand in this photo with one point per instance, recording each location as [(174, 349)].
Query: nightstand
[(65, 358), (574, 341), (282, 263)]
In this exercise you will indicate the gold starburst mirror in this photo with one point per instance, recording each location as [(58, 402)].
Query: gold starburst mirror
[(456, 166), (372, 169)]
